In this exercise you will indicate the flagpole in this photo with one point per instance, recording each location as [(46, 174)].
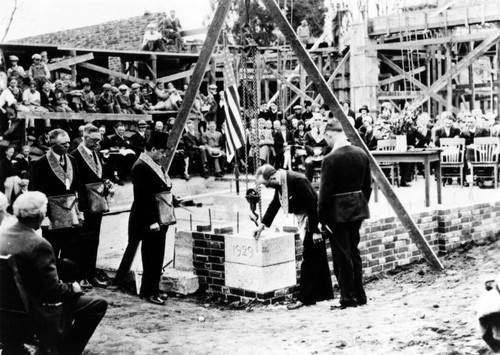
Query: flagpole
[(236, 171)]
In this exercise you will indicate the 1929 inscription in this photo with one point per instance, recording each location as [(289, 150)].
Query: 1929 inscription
[(243, 251)]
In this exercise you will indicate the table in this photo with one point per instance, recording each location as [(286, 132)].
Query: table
[(425, 156)]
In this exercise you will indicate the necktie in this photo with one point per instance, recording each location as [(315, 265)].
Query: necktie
[(62, 162), (94, 156), (318, 131)]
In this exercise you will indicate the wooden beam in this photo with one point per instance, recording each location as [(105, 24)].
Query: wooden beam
[(422, 43), (196, 79), (498, 77), (84, 116), (483, 12), (334, 74), (352, 133), (112, 73), (464, 63), (417, 83), (180, 75), (71, 61), (449, 87), (400, 76), (289, 84)]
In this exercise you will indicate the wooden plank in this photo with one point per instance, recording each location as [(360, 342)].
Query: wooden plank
[(180, 75), (486, 11), (417, 83), (400, 76), (113, 73), (422, 43), (71, 61), (289, 84), (83, 116), (464, 63), (352, 133)]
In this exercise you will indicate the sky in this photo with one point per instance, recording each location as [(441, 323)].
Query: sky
[(35, 17)]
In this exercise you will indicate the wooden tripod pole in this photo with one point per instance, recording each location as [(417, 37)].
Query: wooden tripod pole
[(180, 121), (330, 99)]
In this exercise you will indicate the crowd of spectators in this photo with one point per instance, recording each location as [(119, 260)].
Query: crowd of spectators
[(295, 141)]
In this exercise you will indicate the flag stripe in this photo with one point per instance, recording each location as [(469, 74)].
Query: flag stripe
[(234, 128)]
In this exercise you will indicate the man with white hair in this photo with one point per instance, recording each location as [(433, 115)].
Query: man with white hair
[(52, 302)]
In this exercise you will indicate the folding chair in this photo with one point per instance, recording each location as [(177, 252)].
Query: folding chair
[(486, 153)]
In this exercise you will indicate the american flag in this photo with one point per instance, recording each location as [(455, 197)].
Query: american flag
[(233, 125)]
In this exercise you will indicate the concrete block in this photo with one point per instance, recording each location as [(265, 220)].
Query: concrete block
[(183, 282), (183, 251), (261, 279), (271, 248)]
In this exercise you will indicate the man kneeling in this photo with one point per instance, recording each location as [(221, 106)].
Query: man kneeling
[(63, 318)]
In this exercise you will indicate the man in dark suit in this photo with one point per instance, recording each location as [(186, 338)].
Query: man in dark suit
[(139, 138), (46, 293), (122, 156), (149, 178), (470, 132), (56, 174), (24, 163), (86, 243), (195, 149), (302, 200), (345, 189), (316, 146), (283, 141), (447, 130), (170, 28)]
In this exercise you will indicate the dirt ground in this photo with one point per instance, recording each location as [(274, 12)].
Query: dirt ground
[(411, 311)]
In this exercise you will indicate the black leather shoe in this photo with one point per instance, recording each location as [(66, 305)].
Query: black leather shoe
[(466, 184), (162, 295), (219, 174), (343, 306), (295, 305), (85, 285), (185, 177), (154, 300), (96, 283)]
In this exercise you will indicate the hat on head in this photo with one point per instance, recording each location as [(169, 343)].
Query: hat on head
[(13, 58), (159, 139), (142, 123), (123, 87), (31, 138), (212, 86), (364, 107), (114, 90), (297, 107), (106, 86), (135, 86), (86, 81), (347, 101), (36, 56), (386, 105)]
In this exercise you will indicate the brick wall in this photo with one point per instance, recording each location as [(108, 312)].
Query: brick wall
[(123, 34), (384, 245)]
